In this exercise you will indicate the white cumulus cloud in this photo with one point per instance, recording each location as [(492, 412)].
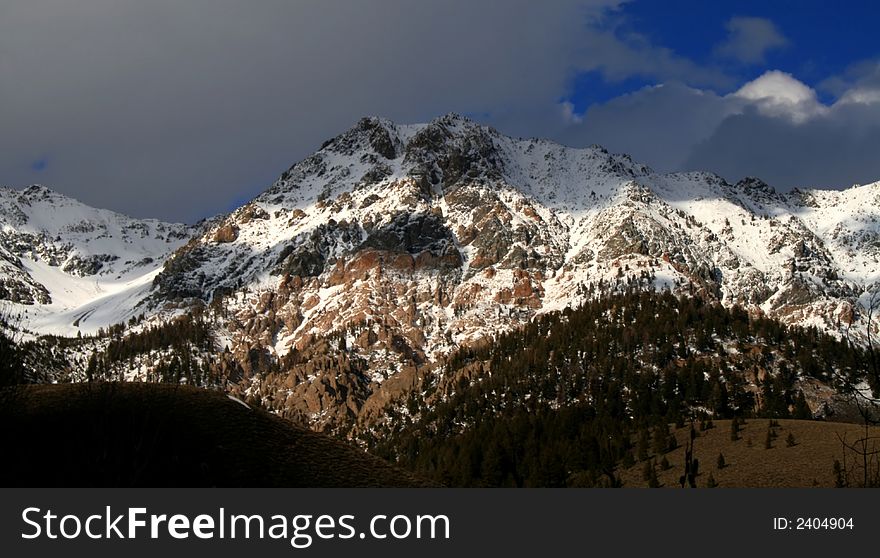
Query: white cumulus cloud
[(774, 127), (779, 94)]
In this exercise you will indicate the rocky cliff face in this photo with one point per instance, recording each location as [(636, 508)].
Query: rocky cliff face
[(344, 283)]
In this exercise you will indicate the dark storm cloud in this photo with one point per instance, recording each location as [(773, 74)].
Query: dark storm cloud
[(835, 149), (657, 125), (175, 109), (773, 127), (180, 109)]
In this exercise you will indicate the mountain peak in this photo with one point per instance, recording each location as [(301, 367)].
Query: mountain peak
[(39, 192), (370, 132), (453, 119), (755, 183), (33, 188)]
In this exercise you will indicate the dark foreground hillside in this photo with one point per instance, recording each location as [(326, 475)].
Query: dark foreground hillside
[(160, 435)]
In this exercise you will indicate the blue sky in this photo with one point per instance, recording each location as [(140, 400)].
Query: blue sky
[(180, 109), (784, 90), (823, 39)]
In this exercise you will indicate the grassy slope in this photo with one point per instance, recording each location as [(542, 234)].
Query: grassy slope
[(808, 463), (161, 435)]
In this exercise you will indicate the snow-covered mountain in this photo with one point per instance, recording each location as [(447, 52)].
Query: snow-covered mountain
[(451, 230), (69, 267), (394, 244)]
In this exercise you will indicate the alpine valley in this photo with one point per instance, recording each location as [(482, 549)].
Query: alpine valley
[(397, 266)]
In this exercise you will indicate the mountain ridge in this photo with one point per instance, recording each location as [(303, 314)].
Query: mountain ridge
[(59, 256), (402, 243)]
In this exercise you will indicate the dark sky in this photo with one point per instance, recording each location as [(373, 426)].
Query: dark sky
[(179, 109)]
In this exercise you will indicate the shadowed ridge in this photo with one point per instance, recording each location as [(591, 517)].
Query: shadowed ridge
[(160, 435)]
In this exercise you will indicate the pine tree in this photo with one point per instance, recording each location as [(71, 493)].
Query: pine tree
[(839, 476), (710, 482), (801, 409), (647, 471), (661, 438), (790, 441), (11, 372), (734, 429), (642, 448), (653, 480), (768, 441), (672, 442), (721, 462)]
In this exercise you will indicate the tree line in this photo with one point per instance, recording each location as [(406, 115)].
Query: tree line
[(562, 401)]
